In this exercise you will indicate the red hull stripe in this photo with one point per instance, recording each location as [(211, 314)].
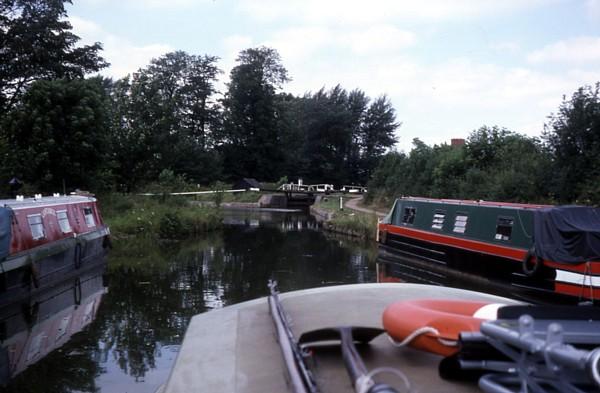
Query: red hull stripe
[(577, 290), (590, 268), (465, 244)]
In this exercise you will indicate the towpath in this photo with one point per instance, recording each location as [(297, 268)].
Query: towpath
[(352, 203)]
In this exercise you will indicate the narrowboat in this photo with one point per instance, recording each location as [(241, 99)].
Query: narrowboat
[(548, 248), (44, 239)]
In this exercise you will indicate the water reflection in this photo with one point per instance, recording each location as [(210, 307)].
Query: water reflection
[(32, 329), (156, 288), (286, 222), (391, 267)]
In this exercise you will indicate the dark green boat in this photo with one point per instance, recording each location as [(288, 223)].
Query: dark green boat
[(552, 248)]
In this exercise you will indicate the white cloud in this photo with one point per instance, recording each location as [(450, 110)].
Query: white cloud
[(304, 42), (580, 50), (373, 11), (383, 38), (300, 42), (124, 56), (85, 28)]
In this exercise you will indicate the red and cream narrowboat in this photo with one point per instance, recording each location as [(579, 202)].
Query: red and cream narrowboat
[(551, 248), (43, 239)]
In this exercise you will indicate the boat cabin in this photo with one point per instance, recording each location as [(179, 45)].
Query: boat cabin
[(551, 247), (42, 239)]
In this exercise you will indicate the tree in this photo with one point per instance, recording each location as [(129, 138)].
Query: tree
[(508, 165), (345, 136), (251, 142), (201, 111), (165, 119), (128, 144), (573, 137), (385, 182), (449, 171), (357, 108), (328, 125), (292, 138), (495, 164), (58, 136), (376, 134), (37, 43)]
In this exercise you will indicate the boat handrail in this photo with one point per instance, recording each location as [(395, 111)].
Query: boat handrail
[(301, 378), (480, 202)]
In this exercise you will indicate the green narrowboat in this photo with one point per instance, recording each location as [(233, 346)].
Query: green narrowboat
[(554, 248)]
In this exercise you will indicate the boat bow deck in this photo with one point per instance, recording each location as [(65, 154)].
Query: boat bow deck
[(235, 349)]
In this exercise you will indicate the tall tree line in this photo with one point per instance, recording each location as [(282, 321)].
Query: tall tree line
[(59, 129), (493, 164), (498, 164), (51, 120)]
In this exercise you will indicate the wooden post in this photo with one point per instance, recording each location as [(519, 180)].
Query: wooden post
[(341, 203)]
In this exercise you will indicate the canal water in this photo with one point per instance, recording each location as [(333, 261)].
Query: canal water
[(121, 323)]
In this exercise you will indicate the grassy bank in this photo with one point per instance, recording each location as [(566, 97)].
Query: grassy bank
[(347, 221), (157, 217)]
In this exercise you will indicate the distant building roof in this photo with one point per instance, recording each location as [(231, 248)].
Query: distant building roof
[(457, 142)]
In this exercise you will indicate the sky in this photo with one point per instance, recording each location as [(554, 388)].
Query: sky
[(448, 66)]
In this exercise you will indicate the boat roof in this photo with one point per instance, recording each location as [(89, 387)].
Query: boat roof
[(477, 203), (45, 201), (235, 349)]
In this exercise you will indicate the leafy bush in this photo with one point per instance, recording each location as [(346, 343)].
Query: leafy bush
[(145, 216), (170, 226)]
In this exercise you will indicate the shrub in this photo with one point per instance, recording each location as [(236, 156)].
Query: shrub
[(170, 226)]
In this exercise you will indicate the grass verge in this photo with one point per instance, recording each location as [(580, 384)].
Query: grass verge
[(347, 221), (157, 217)]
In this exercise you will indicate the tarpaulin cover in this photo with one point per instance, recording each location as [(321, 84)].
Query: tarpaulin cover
[(567, 234), (5, 220)]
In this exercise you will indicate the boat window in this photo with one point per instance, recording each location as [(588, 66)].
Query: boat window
[(63, 221), (89, 217), (504, 228), (409, 215), (460, 222), (36, 226), (438, 219)]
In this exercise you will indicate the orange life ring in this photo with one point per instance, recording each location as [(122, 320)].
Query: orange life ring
[(434, 325)]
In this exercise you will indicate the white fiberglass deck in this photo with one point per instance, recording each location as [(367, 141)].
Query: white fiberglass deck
[(235, 349)]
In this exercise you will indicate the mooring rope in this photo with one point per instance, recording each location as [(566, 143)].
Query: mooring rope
[(419, 332)]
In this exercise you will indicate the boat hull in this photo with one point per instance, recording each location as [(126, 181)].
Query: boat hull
[(569, 282), (40, 268)]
